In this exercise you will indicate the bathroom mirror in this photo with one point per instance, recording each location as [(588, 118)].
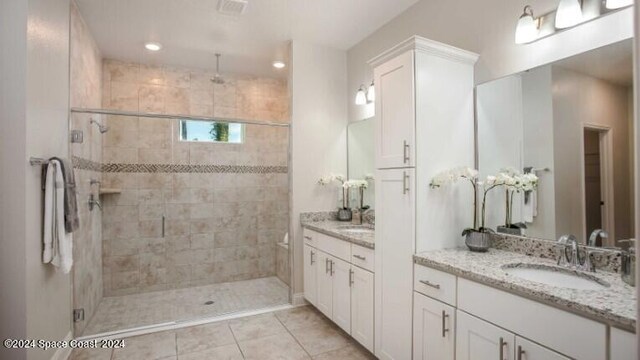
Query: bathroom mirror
[(360, 149), (571, 124)]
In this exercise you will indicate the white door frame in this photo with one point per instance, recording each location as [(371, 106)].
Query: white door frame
[(606, 179)]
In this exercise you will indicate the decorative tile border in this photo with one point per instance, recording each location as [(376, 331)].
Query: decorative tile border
[(205, 169), (605, 259), (86, 164)]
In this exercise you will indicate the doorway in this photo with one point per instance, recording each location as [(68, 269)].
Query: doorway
[(598, 180)]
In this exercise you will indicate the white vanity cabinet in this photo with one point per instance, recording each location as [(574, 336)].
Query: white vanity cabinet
[(434, 329), (341, 288), (424, 104), (496, 324)]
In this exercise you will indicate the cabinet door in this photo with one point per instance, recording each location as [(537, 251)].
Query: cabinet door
[(395, 246), (362, 306), (433, 329), (478, 340), (526, 350), (324, 298), (623, 345), (340, 273), (395, 112), (310, 274)]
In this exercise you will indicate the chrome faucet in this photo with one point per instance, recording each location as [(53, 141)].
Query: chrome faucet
[(572, 256), (594, 237)]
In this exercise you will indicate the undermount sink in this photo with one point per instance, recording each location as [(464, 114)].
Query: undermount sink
[(555, 276), (355, 229)]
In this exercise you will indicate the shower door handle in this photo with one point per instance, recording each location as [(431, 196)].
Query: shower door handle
[(163, 227)]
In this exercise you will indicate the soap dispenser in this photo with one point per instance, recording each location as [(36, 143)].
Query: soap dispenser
[(628, 271)]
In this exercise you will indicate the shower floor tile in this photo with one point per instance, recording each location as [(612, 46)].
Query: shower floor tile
[(129, 311)]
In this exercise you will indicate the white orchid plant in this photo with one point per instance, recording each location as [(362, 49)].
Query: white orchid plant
[(346, 186), (517, 183), (450, 177), (509, 178)]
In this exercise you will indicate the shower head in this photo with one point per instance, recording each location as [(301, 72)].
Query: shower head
[(103, 128), (217, 79)]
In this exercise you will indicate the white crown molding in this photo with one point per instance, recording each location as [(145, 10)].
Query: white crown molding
[(426, 46)]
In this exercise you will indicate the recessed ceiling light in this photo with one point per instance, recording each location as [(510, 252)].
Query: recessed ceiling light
[(279, 64), (153, 46)]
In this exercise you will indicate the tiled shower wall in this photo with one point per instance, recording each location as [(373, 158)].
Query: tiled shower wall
[(86, 90), (225, 205)]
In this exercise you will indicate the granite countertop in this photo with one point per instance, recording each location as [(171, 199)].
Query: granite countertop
[(615, 305), (337, 229)]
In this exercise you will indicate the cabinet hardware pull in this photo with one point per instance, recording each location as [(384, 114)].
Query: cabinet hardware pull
[(444, 326), (308, 237), (405, 182), (360, 257), (520, 352), (326, 265), (311, 257), (405, 152), (430, 284), (163, 227), (331, 269), (502, 345), (351, 277)]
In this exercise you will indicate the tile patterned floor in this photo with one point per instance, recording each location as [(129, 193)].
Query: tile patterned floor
[(129, 311), (299, 333)]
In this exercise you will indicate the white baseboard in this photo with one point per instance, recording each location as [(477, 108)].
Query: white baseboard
[(63, 353), (299, 300)]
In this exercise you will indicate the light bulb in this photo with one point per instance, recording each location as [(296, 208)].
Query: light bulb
[(527, 29), (361, 97), (569, 14), (617, 4), (279, 64), (371, 93), (153, 46)]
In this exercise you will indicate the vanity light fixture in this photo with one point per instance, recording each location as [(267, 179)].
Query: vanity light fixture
[(617, 4), (153, 46), (361, 96), (569, 13), (371, 93), (528, 27), (279, 64)]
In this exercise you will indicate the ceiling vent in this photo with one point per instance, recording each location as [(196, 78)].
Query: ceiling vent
[(232, 7)]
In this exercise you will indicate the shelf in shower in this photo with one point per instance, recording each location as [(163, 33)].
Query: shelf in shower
[(110, 191)]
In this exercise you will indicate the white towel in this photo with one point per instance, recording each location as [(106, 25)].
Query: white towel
[(57, 242), (530, 207)]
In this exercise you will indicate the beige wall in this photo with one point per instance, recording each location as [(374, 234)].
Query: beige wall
[(573, 106), (220, 226), (319, 121), (86, 92), (484, 27)]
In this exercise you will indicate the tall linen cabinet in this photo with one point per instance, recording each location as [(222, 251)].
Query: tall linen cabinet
[(424, 125)]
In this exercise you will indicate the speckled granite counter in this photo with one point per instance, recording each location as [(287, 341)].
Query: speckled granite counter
[(337, 229), (615, 305)]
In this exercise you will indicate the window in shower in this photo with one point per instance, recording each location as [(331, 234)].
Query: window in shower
[(211, 131)]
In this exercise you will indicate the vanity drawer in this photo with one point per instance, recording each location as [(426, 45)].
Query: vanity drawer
[(435, 284), (362, 257), (310, 237), (334, 247)]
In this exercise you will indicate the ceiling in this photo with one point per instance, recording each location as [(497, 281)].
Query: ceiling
[(191, 31), (612, 63)]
